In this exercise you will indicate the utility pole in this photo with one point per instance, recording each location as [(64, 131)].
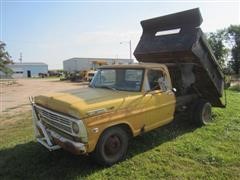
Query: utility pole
[(20, 58), (130, 47)]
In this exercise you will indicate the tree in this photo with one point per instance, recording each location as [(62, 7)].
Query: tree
[(5, 59), (216, 41), (233, 36)]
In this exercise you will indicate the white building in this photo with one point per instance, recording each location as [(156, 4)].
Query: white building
[(80, 64), (24, 70)]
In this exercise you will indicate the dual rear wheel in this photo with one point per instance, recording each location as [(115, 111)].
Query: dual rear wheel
[(202, 112)]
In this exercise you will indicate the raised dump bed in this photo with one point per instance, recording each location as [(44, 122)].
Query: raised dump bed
[(178, 41)]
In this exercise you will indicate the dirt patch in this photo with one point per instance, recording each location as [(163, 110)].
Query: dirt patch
[(14, 96)]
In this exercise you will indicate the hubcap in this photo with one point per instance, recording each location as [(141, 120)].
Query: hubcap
[(206, 114), (112, 145)]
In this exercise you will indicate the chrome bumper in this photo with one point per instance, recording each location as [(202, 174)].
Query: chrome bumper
[(52, 140)]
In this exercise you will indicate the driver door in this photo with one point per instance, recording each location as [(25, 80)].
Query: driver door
[(161, 104)]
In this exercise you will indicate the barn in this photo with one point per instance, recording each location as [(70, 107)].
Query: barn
[(81, 64), (27, 70)]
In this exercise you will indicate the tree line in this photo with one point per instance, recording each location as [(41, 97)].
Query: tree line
[(225, 44), (5, 59)]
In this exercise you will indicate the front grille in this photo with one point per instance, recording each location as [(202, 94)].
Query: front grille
[(54, 119)]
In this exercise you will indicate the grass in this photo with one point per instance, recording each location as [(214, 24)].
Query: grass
[(176, 151)]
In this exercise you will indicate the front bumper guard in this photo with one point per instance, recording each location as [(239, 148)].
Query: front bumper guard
[(52, 140)]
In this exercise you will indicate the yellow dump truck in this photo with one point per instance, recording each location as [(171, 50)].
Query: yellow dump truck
[(123, 101)]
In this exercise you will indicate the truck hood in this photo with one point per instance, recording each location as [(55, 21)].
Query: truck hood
[(85, 102)]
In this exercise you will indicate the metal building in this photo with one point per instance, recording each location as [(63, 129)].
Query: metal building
[(80, 64), (27, 70)]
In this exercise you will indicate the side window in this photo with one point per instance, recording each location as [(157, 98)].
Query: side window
[(157, 80)]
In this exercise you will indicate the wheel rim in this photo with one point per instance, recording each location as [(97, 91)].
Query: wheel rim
[(206, 114), (112, 146)]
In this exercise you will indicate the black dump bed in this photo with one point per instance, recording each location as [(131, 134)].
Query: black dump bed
[(178, 40)]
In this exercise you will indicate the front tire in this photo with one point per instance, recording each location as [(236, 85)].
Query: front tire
[(111, 147)]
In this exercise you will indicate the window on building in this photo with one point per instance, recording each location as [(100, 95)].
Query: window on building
[(19, 72)]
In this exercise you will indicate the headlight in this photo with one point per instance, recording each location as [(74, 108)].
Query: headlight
[(75, 128)]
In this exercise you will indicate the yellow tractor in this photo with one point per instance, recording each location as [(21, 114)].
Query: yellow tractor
[(95, 65)]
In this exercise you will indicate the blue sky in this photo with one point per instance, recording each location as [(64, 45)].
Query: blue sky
[(54, 31)]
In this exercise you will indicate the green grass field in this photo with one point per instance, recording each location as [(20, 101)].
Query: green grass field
[(179, 150)]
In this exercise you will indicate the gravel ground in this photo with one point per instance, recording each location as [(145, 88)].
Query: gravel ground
[(14, 95)]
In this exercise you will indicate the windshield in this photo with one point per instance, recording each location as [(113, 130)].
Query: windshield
[(118, 79)]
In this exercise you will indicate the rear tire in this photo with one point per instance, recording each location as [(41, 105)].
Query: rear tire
[(111, 147), (202, 113)]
